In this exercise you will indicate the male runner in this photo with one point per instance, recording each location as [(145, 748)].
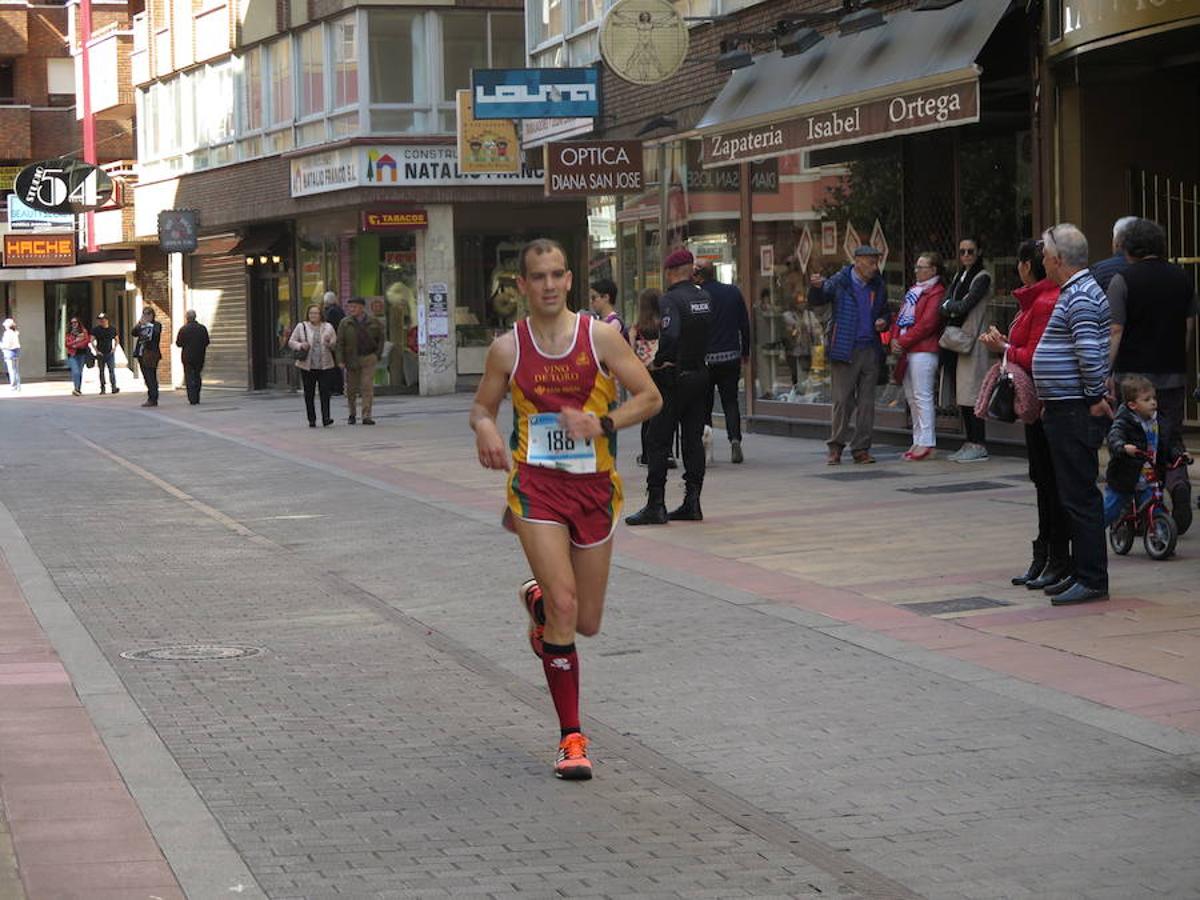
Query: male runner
[(564, 494)]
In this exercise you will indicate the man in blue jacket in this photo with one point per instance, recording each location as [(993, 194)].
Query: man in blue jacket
[(728, 351), (860, 313)]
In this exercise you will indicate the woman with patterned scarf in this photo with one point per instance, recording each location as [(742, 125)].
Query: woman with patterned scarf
[(915, 334)]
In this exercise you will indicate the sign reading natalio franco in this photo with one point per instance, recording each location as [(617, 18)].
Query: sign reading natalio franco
[(402, 166), (39, 250), (954, 104), (580, 168)]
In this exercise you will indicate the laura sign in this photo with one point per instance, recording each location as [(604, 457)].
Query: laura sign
[(39, 250), (579, 168), (535, 93), (954, 104)]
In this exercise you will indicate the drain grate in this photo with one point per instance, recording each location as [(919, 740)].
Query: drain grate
[(956, 605), (962, 487), (192, 653), (862, 475)]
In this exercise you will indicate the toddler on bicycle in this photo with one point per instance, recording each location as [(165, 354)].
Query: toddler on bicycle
[(1140, 446)]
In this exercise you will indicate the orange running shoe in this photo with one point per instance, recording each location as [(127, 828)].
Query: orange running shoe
[(573, 764), (530, 596)]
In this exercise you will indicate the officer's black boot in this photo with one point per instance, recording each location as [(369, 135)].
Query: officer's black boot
[(653, 513), (689, 509), (1040, 554)]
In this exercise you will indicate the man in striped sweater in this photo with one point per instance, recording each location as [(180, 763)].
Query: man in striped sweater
[(1070, 368)]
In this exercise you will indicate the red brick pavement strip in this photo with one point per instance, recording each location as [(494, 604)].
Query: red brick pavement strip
[(1104, 683), (77, 831)]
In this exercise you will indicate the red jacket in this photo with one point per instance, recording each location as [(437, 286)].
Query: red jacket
[(1036, 302), (77, 343), (922, 336)]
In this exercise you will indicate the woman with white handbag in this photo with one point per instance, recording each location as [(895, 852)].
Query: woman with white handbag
[(312, 342)]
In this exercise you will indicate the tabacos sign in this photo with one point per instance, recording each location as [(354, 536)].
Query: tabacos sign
[(955, 104), (580, 168)]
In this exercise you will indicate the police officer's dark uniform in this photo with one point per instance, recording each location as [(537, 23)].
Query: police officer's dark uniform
[(682, 379)]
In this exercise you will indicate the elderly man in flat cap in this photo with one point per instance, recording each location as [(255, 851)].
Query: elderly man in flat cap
[(860, 313), (682, 379)]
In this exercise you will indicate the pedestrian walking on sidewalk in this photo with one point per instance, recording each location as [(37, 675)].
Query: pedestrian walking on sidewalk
[(313, 342), (1036, 299), (193, 339), (1154, 308), (10, 348), (915, 334), (963, 313), (104, 343), (334, 315), (1070, 369), (728, 350), (564, 494), (860, 314), (147, 350), (602, 298), (682, 380), (359, 342), (79, 353)]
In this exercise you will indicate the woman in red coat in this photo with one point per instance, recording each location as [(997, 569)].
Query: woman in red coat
[(1036, 299), (77, 340), (915, 334)]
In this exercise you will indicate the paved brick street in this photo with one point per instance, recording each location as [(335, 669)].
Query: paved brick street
[(770, 716)]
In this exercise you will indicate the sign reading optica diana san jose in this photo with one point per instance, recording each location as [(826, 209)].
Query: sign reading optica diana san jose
[(402, 166), (535, 93), (953, 104), (580, 168)]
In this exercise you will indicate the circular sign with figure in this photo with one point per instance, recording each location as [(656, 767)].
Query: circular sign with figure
[(63, 186), (643, 41)]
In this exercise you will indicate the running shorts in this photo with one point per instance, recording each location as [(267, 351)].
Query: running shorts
[(588, 505)]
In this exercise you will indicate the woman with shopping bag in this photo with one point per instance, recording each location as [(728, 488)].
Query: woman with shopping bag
[(963, 312)]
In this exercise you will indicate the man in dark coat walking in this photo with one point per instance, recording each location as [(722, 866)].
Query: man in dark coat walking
[(193, 339), (728, 351), (334, 315)]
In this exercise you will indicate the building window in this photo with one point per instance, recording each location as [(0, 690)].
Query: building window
[(312, 72), (508, 41), (345, 63), (464, 47), (547, 21), (60, 82), (252, 91), (398, 57), (280, 62)]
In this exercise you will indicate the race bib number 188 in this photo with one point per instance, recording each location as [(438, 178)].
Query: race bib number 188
[(551, 447)]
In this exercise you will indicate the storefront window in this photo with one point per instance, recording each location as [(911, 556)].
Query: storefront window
[(65, 300), (602, 238), (398, 281)]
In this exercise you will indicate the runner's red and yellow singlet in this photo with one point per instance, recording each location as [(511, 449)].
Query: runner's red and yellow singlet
[(555, 478)]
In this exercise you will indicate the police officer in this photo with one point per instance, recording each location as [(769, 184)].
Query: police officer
[(682, 379)]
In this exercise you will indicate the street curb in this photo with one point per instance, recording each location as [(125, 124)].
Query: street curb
[(194, 845)]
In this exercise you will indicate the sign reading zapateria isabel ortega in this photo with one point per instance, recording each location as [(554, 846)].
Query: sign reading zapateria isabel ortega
[(954, 104)]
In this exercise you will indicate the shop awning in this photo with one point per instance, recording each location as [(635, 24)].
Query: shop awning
[(106, 269), (917, 72)]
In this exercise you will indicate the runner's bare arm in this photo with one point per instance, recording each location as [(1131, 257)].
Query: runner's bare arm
[(644, 399), (498, 366)]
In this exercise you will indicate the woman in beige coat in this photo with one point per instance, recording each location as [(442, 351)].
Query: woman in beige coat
[(313, 341), (966, 307)]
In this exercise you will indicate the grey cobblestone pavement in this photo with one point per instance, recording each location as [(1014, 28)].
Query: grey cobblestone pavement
[(394, 739)]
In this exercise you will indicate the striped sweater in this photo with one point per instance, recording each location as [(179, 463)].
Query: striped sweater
[(1071, 360)]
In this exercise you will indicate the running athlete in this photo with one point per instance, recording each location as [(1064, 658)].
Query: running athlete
[(564, 494)]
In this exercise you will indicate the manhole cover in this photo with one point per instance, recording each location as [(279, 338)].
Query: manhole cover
[(191, 653), (961, 487), (956, 605), (862, 475)]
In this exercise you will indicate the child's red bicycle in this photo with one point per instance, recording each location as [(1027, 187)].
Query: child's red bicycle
[(1151, 520)]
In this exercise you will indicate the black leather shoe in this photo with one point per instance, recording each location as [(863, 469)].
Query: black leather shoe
[(688, 510), (1052, 574), (1036, 568), (352, 420), (735, 452), (1060, 586), (1079, 593), (327, 422), (367, 420), (650, 514)]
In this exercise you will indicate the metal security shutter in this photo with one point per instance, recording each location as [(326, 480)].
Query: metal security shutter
[(218, 294)]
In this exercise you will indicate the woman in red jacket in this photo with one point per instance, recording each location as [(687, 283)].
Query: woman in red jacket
[(77, 341), (1036, 299), (916, 332)]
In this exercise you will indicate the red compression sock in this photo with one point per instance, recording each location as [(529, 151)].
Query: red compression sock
[(561, 665)]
